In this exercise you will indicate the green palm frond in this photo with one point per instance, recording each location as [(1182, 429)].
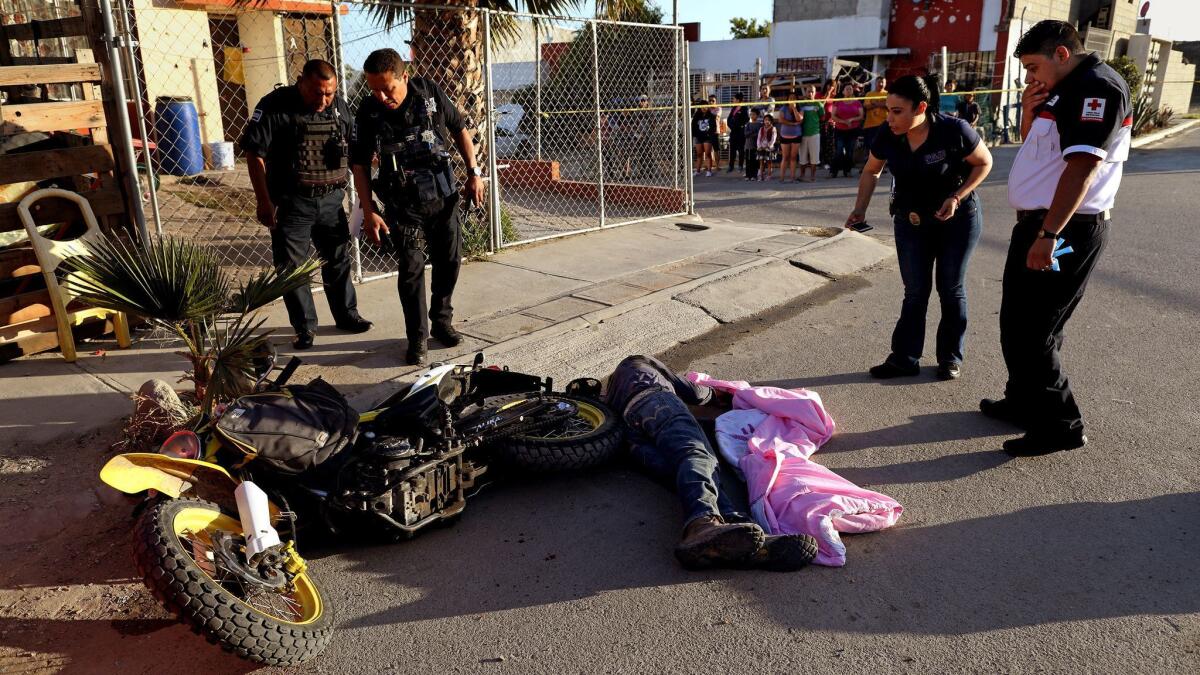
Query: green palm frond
[(269, 285), (232, 360), (168, 280)]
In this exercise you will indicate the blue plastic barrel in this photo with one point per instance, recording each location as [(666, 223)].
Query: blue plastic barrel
[(178, 130)]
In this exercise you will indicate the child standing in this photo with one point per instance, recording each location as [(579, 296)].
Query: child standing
[(751, 144), (768, 136)]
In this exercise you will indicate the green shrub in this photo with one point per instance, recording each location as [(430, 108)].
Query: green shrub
[(1128, 70)]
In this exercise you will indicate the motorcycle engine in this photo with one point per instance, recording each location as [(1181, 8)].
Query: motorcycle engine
[(404, 485)]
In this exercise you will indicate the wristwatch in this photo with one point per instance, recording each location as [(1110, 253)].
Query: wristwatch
[(1047, 234), (474, 171)]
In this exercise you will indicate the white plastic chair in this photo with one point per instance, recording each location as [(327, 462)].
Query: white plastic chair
[(51, 254)]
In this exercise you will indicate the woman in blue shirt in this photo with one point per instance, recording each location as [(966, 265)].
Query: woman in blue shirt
[(936, 163)]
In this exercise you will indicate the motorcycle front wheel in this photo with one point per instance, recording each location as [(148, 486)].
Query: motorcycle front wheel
[(173, 549), (589, 437)]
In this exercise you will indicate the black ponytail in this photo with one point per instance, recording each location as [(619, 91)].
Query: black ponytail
[(917, 90)]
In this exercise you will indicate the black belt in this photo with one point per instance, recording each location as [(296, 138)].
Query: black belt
[(303, 190), (1078, 217)]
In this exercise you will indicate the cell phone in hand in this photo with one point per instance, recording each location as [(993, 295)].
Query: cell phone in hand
[(861, 227)]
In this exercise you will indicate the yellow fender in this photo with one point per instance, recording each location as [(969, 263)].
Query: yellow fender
[(137, 472)]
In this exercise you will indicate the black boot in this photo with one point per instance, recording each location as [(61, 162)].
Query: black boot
[(711, 542), (446, 335), (783, 553)]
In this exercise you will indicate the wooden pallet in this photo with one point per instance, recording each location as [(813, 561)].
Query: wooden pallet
[(87, 165)]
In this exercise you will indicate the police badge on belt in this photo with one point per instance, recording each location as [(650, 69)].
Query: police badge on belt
[(914, 218)]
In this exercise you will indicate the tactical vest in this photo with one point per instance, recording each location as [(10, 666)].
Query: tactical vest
[(413, 158), (321, 154)]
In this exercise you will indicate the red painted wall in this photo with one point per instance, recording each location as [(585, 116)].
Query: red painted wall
[(924, 26)]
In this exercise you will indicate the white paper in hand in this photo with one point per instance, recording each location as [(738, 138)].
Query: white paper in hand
[(356, 219)]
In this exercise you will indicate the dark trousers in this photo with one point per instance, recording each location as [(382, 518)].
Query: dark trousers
[(320, 221), (843, 154), (751, 163), (932, 255), (668, 444), (1033, 313), (426, 232), (737, 148)]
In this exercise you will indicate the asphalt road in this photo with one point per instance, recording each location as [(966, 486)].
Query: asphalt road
[(1087, 561), (1082, 561)]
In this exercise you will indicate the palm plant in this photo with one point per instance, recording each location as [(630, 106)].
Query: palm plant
[(181, 287)]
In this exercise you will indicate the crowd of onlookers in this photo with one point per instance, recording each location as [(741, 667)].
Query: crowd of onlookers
[(812, 127)]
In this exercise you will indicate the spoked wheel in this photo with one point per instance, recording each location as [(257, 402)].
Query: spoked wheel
[(585, 436), (189, 554)]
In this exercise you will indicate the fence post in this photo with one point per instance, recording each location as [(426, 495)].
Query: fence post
[(599, 130), (131, 56), (496, 237), (686, 111), (675, 107), (339, 63), (537, 89), (111, 40)]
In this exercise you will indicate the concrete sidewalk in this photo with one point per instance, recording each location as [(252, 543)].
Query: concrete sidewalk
[(565, 308)]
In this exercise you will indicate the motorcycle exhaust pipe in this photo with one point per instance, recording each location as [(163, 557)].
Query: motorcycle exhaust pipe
[(256, 519)]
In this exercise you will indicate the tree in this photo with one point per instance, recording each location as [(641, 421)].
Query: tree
[(748, 28), (1128, 70), (634, 11)]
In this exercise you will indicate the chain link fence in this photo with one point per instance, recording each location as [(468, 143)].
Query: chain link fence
[(579, 123)]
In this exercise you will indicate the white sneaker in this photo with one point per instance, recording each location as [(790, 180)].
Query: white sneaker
[(708, 174)]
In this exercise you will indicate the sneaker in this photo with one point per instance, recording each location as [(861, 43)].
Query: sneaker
[(888, 370), (304, 339), (710, 542), (708, 174), (415, 356), (446, 335), (783, 553), (1036, 444), (949, 370)]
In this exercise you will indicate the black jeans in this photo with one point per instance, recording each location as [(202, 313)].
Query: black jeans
[(934, 254), (1033, 314), (737, 148), (429, 231), (751, 163), (320, 221), (668, 444), (843, 155)]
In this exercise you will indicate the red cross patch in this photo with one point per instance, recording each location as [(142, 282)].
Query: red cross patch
[(1093, 110)]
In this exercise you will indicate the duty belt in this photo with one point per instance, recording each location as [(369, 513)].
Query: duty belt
[(1078, 217), (319, 190)]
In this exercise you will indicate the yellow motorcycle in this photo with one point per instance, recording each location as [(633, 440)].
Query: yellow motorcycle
[(215, 541)]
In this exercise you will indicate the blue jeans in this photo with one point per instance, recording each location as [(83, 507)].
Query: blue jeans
[(843, 149), (934, 254), (669, 445)]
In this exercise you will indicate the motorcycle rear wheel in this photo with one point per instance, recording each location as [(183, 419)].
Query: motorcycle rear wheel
[(173, 552), (587, 439)]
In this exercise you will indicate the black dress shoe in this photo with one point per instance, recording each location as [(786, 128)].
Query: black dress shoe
[(304, 340), (354, 324), (446, 335), (415, 356), (949, 371), (1002, 409), (887, 370), (1035, 444)]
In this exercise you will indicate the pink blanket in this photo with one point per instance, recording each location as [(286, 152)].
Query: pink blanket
[(790, 493)]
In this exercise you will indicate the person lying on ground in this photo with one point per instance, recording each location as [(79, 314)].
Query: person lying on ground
[(668, 443)]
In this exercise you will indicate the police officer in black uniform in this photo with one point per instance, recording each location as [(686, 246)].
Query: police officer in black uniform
[(409, 123), (296, 150), (1063, 183)]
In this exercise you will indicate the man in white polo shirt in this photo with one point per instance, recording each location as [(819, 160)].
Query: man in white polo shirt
[(1063, 182)]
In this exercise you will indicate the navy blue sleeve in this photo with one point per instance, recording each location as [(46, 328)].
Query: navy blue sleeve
[(362, 137), (455, 120), (256, 139), (882, 147), (968, 138)]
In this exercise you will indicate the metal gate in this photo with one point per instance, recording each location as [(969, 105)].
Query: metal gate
[(581, 124)]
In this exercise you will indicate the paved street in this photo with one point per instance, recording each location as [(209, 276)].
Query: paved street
[(1085, 561), (1081, 561)]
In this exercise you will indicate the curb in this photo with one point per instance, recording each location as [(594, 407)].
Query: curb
[(380, 391), (1164, 133)]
